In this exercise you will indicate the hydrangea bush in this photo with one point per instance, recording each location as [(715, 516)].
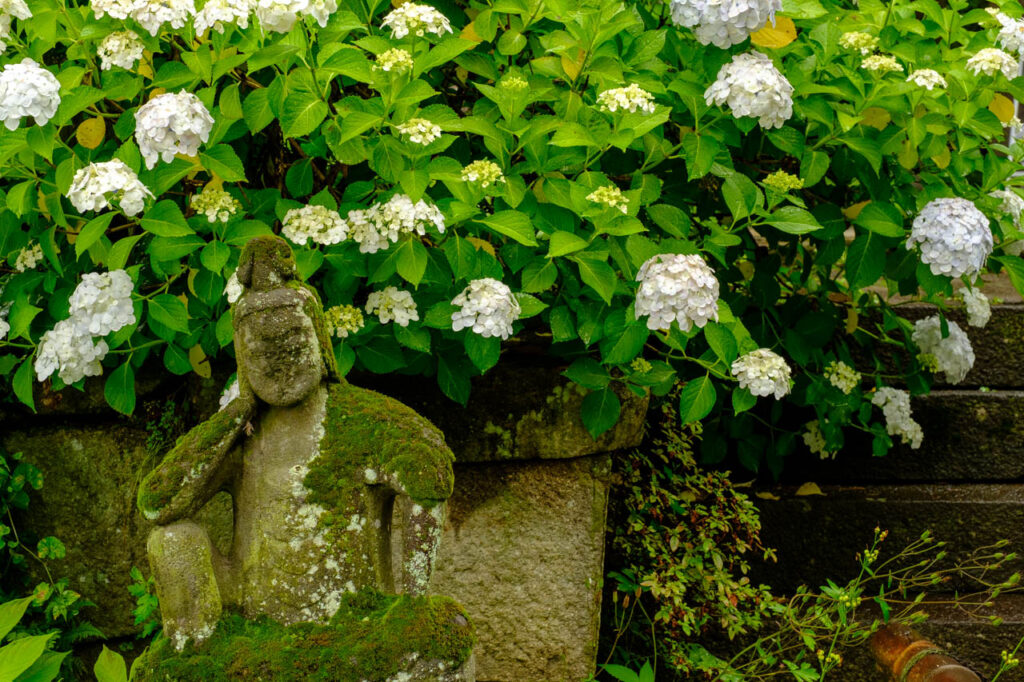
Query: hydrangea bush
[(652, 192)]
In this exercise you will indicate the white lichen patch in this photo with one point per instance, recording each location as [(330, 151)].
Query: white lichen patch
[(370, 475), (356, 523)]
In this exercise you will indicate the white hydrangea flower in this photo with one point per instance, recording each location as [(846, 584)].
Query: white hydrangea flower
[(678, 288), (321, 10), (865, 43), (392, 304), (343, 320), (486, 306), (5, 326), (118, 9), (318, 223), (420, 131), (233, 289), (752, 86), (1014, 125), (978, 309), (895, 406), (216, 13), (121, 48), (842, 376), (27, 89), (396, 59), (1011, 35), (279, 16), (216, 204), (629, 98), (417, 19), (170, 124), (9, 11), (485, 172), (97, 185), (814, 439), (763, 373), (611, 196), (953, 354), (927, 79), (28, 257), (1011, 204), (724, 23), (991, 61), (882, 64), (70, 352), (152, 14), (381, 225), (230, 393), (954, 236), (102, 302)]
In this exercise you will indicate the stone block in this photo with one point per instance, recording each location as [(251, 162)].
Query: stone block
[(523, 552)]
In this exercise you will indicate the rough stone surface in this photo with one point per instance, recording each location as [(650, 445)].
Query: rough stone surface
[(518, 412), (523, 551), (969, 435), (817, 536)]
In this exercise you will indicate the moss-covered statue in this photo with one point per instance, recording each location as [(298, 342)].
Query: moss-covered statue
[(314, 465)]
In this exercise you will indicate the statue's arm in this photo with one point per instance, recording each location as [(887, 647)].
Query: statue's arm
[(197, 467)]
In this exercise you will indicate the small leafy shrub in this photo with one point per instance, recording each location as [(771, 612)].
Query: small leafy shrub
[(147, 605)]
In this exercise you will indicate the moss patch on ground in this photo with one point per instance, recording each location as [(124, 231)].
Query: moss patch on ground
[(372, 637)]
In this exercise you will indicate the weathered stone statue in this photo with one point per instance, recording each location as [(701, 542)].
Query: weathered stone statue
[(314, 466)]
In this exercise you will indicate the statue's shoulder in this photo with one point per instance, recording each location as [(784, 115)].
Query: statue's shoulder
[(365, 417)]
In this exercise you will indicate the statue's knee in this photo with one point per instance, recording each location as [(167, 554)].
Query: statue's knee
[(179, 547)]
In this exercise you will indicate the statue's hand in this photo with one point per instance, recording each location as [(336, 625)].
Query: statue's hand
[(197, 467)]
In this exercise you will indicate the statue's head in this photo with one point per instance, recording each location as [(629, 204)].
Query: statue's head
[(281, 341)]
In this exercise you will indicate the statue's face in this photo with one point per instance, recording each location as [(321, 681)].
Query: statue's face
[(278, 351)]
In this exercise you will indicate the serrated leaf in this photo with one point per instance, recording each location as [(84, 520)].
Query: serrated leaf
[(165, 219), (110, 667), (588, 373), (170, 312), (90, 132), (511, 224), (600, 411), (779, 35), (696, 400), (92, 232), (563, 243), (119, 389), (223, 161)]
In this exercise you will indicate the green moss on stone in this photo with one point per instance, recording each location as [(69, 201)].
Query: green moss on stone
[(372, 637)]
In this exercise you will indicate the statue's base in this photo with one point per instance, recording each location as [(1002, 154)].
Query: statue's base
[(373, 637)]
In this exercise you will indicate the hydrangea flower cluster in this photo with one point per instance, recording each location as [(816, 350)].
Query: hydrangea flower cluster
[(120, 48), (392, 304), (953, 354), (216, 13), (317, 223), (1011, 35), (724, 23), (629, 98), (216, 204), (881, 64), (865, 43), (954, 236), (842, 376), (895, 406), (927, 79), (420, 131), (814, 439), (100, 304), (611, 196), (9, 11), (170, 124), (783, 182), (233, 289), (396, 59), (28, 258), (485, 172), (991, 61), (279, 16), (118, 9), (486, 306), (1011, 204), (5, 326), (674, 287), (763, 373), (152, 14), (978, 309), (752, 86), (381, 225), (513, 83), (97, 185), (27, 89), (413, 18), (343, 320)]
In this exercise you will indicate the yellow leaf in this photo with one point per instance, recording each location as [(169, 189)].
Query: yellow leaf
[(481, 244), (780, 35), (469, 33), (808, 489), (571, 67), (767, 496), (197, 358), (908, 154), (876, 117), (91, 132), (851, 212), (1003, 107), (156, 91), (145, 67), (192, 272), (943, 158)]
